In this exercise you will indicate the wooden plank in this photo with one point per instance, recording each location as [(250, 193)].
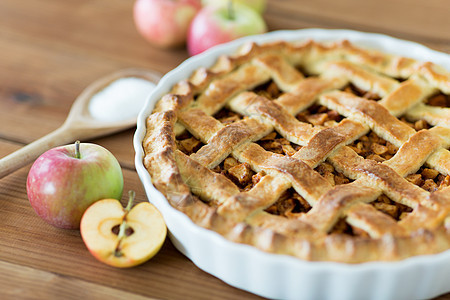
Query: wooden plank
[(279, 22), (419, 20), (26, 240), (80, 29), (28, 283)]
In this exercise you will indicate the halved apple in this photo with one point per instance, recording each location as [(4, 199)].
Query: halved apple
[(122, 237)]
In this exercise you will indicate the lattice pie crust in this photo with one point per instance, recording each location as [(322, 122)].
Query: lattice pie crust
[(319, 151)]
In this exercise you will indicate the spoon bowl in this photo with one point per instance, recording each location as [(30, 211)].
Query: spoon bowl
[(79, 124)]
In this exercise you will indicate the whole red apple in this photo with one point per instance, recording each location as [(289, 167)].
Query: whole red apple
[(64, 181), (217, 24), (165, 22)]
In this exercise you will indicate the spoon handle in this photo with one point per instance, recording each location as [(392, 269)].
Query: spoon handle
[(30, 152)]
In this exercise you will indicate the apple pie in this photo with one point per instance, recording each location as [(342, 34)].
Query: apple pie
[(321, 151)]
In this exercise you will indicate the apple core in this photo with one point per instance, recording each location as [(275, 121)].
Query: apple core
[(123, 237)]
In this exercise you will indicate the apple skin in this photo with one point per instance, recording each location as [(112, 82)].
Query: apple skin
[(148, 227), (61, 187), (213, 25), (164, 23), (258, 5)]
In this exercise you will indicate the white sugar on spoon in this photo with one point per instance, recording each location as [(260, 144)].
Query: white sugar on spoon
[(120, 100)]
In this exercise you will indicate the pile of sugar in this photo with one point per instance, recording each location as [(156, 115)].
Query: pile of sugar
[(120, 100)]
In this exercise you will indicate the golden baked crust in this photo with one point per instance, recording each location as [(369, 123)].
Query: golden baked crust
[(385, 213)]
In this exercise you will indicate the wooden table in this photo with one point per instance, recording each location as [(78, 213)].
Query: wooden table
[(50, 50)]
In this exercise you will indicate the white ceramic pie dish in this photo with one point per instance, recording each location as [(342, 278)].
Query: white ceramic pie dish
[(279, 276)]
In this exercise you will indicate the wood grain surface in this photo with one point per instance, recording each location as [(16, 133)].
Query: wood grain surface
[(50, 50)]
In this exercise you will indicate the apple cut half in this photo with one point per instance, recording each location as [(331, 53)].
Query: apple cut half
[(122, 237)]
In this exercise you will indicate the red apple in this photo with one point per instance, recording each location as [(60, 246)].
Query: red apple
[(217, 24), (64, 181), (123, 237), (165, 23)]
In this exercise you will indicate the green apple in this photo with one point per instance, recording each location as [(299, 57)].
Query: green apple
[(258, 5), (64, 181), (217, 24), (123, 237)]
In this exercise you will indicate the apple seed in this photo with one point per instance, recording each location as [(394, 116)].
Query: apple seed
[(129, 231)]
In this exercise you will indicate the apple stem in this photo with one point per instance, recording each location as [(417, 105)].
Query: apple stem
[(77, 150), (124, 226), (131, 195), (230, 10)]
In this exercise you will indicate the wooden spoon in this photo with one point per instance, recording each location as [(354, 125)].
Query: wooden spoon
[(79, 125)]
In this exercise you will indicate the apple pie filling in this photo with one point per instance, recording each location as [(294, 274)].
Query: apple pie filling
[(187, 143), (353, 89), (275, 143), (440, 99), (269, 90), (396, 211), (373, 147), (226, 116), (240, 173), (429, 179), (290, 204), (319, 115)]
